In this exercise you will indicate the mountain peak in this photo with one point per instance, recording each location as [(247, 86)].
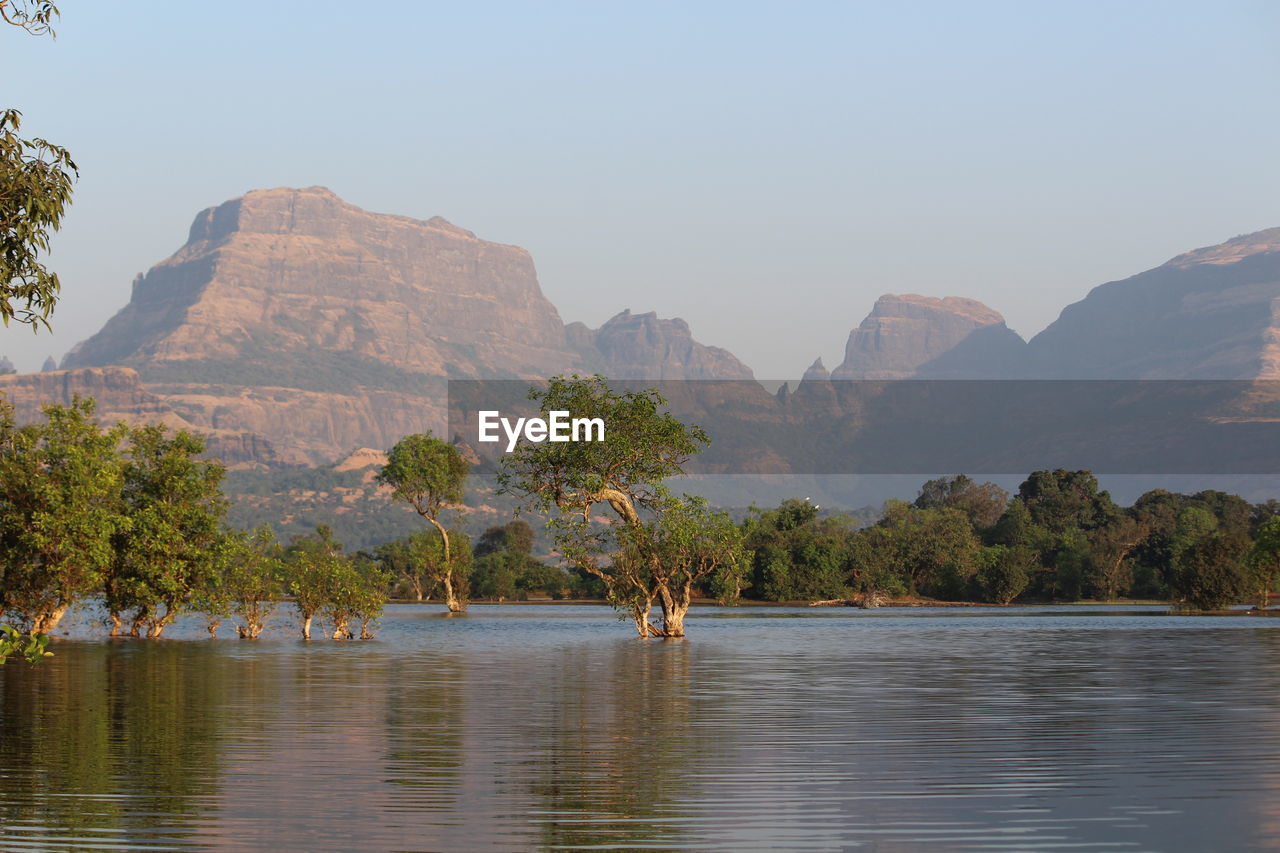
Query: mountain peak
[(1235, 249), (905, 333)]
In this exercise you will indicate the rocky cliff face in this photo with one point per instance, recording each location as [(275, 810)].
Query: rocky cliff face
[(644, 346), (119, 395), (296, 317), (920, 336), (1213, 313)]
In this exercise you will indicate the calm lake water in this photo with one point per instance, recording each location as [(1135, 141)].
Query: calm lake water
[(549, 727)]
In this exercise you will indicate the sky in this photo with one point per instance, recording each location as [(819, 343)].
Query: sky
[(763, 170)]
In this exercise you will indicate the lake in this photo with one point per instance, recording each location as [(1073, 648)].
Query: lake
[(551, 727)]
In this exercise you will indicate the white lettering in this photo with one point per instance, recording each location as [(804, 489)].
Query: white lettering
[(488, 423), (559, 425), (587, 425), (513, 435)]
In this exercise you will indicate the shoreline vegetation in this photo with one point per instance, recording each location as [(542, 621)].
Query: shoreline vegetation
[(135, 517)]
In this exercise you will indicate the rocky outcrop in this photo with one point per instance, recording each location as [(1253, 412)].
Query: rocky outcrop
[(912, 336), (119, 395), (296, 317), (1213, 313), (644, 346)]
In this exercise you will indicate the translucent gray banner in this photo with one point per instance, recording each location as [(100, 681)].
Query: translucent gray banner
[(930, 427)]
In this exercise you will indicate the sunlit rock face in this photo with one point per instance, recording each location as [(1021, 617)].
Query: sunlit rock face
[(322, 327), (1212, 313), (912, 336)]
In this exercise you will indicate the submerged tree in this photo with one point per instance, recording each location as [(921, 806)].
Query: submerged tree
[(428, 474), (341, 587), (60, 486), (254, 580), (168, 547), (642, 446)]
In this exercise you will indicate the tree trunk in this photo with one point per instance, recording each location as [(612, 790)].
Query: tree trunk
[(212, 628), (640, 616), (674, 608), (306, 626), (48, 620), (451, 599), (116, 622), (365, 633), (340, 629)]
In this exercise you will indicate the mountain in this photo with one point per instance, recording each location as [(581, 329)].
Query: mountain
[(643, 346), (1212, 313), (319, 327), (913, 336)]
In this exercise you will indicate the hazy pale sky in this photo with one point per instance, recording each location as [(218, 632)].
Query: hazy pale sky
[(763, 170)]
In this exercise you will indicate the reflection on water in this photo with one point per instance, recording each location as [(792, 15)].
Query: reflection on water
[(550, 728)]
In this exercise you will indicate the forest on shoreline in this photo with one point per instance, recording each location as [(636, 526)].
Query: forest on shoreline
[(135, 518)]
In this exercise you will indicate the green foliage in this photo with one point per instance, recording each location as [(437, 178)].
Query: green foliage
[(504, 567), (1060, 500), (254, 579), (1264, 559), (1002, 573), (168, 547), (516, 536), (29, 647), (642, 447), (343, 588), (60, 509), (1209, 571), (36, 177), (425, 472), (982, 503), (796, 556)]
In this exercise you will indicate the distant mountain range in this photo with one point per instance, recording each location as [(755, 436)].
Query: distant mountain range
[(293, 327)]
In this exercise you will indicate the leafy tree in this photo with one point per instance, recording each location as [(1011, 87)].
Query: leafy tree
[(982, 503), (428, 473), (642, 447), (169, 544), (309, 563), (686, 545), (516, 536), (1061, 500), (1208, 564), (1110, 546), (1264, 560), (254, 580), (936, 548), (60, 508), (36, 178), (1003, 572)]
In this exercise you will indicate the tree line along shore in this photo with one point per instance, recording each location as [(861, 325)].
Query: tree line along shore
[(134, 518)]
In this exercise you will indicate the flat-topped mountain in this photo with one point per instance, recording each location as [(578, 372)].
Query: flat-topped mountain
[(292, 315), (1213, 313), (914, 336)]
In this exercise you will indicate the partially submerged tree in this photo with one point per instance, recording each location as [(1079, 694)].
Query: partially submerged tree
[(687, 546), (642, 446), (254, 580), (60, 486), (342, 588), (168, 547), (428, 474)]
